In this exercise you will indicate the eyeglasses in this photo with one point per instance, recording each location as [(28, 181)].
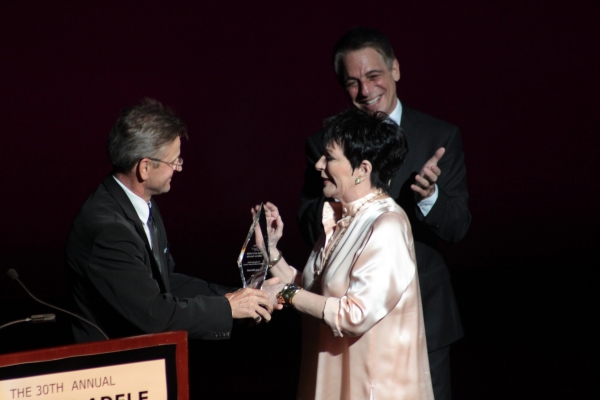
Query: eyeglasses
[(176, 165)]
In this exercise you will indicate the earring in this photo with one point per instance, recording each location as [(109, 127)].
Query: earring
[(357, 181)]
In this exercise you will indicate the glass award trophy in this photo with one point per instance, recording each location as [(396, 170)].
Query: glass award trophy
[(254, 258)]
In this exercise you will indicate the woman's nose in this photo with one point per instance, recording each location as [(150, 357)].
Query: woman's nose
[(320, 165)]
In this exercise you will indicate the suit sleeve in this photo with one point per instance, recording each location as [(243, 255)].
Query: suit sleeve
[(449, 217), (118, 269), (310, 212)]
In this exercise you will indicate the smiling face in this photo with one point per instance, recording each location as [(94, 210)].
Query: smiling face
[(369, 83), (337, 174)]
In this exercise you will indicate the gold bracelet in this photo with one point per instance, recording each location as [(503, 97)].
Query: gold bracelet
[(294, 294), (287, 294), (275, 261)]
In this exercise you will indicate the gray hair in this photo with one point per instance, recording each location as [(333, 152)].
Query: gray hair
[(142, 130)]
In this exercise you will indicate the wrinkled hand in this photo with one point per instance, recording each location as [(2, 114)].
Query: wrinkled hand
[(272, 287), (250, 303), (274, 225), (424, 185)]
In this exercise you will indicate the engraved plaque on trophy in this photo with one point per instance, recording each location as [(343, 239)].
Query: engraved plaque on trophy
[(254, 258)]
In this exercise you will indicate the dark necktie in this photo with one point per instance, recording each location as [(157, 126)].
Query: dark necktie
[(154, 240)]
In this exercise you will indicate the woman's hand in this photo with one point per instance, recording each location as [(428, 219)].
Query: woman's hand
[(274, 225), (272, 287)]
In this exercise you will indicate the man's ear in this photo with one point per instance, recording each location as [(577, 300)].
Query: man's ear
[(396, 70), (142, 169)]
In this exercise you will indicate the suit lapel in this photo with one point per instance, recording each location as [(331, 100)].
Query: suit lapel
[(409, 167), (129, 211)]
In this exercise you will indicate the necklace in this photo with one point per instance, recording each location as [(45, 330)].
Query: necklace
[(332, 247)]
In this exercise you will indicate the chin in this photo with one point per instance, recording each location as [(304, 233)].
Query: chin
[(331, 195)]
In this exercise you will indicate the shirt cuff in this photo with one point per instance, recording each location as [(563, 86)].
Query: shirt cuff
[(425, 205), (331, 315)]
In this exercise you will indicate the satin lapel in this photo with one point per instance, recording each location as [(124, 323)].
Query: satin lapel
[(119, 195)]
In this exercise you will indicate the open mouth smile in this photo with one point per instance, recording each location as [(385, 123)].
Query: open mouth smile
[(371, 102)]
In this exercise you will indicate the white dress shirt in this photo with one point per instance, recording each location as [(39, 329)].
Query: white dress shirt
[(425, 205), (141, 207)]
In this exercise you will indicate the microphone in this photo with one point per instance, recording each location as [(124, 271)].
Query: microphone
[(39, 318), (36, 319), (12, 274)]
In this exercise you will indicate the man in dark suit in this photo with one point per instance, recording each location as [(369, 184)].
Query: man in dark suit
[(430, 186), (120, 265)]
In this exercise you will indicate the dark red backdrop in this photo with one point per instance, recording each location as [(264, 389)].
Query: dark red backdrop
[(254, 79)]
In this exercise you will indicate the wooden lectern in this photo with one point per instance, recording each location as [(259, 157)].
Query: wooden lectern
[(148, 367)]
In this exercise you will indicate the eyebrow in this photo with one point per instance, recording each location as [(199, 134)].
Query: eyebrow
[(379, 71), (327, 151), (372, 71)]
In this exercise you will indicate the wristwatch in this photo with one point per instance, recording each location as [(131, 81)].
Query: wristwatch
[(287, 294)]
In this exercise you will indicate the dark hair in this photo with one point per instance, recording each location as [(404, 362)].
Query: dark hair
[(142, 130), (358, 39), (368, 136)]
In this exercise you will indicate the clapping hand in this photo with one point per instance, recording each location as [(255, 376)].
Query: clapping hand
[(425, 180)]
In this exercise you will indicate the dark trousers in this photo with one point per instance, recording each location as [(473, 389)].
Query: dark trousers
[(439, 366)]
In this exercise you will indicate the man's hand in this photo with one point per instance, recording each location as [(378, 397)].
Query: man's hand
[(424, 185), (250, 303)]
